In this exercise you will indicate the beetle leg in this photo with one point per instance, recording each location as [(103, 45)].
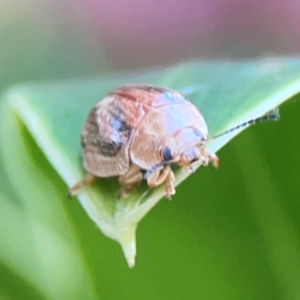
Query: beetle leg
[(87, 180), (170, 188), (160, 176), (214, 159), (132, 176), (129, 180), (209, 157)]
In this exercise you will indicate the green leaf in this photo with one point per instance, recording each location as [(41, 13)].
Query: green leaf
[(38, 241), (227, 93)]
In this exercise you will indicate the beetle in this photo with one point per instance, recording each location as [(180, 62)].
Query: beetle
[(137, 132)]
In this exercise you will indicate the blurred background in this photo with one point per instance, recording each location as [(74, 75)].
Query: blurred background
[(43, 39), (247, 226)]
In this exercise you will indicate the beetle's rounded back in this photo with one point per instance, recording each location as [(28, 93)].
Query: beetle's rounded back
[(131, 124), (107, 133)]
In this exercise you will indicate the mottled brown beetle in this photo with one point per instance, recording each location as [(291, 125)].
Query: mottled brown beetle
[(137, 131)]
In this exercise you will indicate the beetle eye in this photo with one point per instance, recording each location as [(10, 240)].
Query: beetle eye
[(166, 154), (199, 134)]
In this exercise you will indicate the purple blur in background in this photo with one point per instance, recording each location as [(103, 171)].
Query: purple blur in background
[(143, 32), (47, 39)]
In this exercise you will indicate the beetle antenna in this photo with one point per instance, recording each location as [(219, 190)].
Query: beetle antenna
[(272, 115)]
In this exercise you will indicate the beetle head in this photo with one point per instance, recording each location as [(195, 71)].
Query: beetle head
[(184, 147)]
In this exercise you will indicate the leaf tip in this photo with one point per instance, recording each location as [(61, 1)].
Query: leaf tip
[(128, 243)]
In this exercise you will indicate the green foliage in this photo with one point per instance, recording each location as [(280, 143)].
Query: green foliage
[(227, 234)]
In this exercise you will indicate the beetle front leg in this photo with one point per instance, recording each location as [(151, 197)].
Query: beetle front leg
[(160, 176), (209, 157), (213, 158)]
